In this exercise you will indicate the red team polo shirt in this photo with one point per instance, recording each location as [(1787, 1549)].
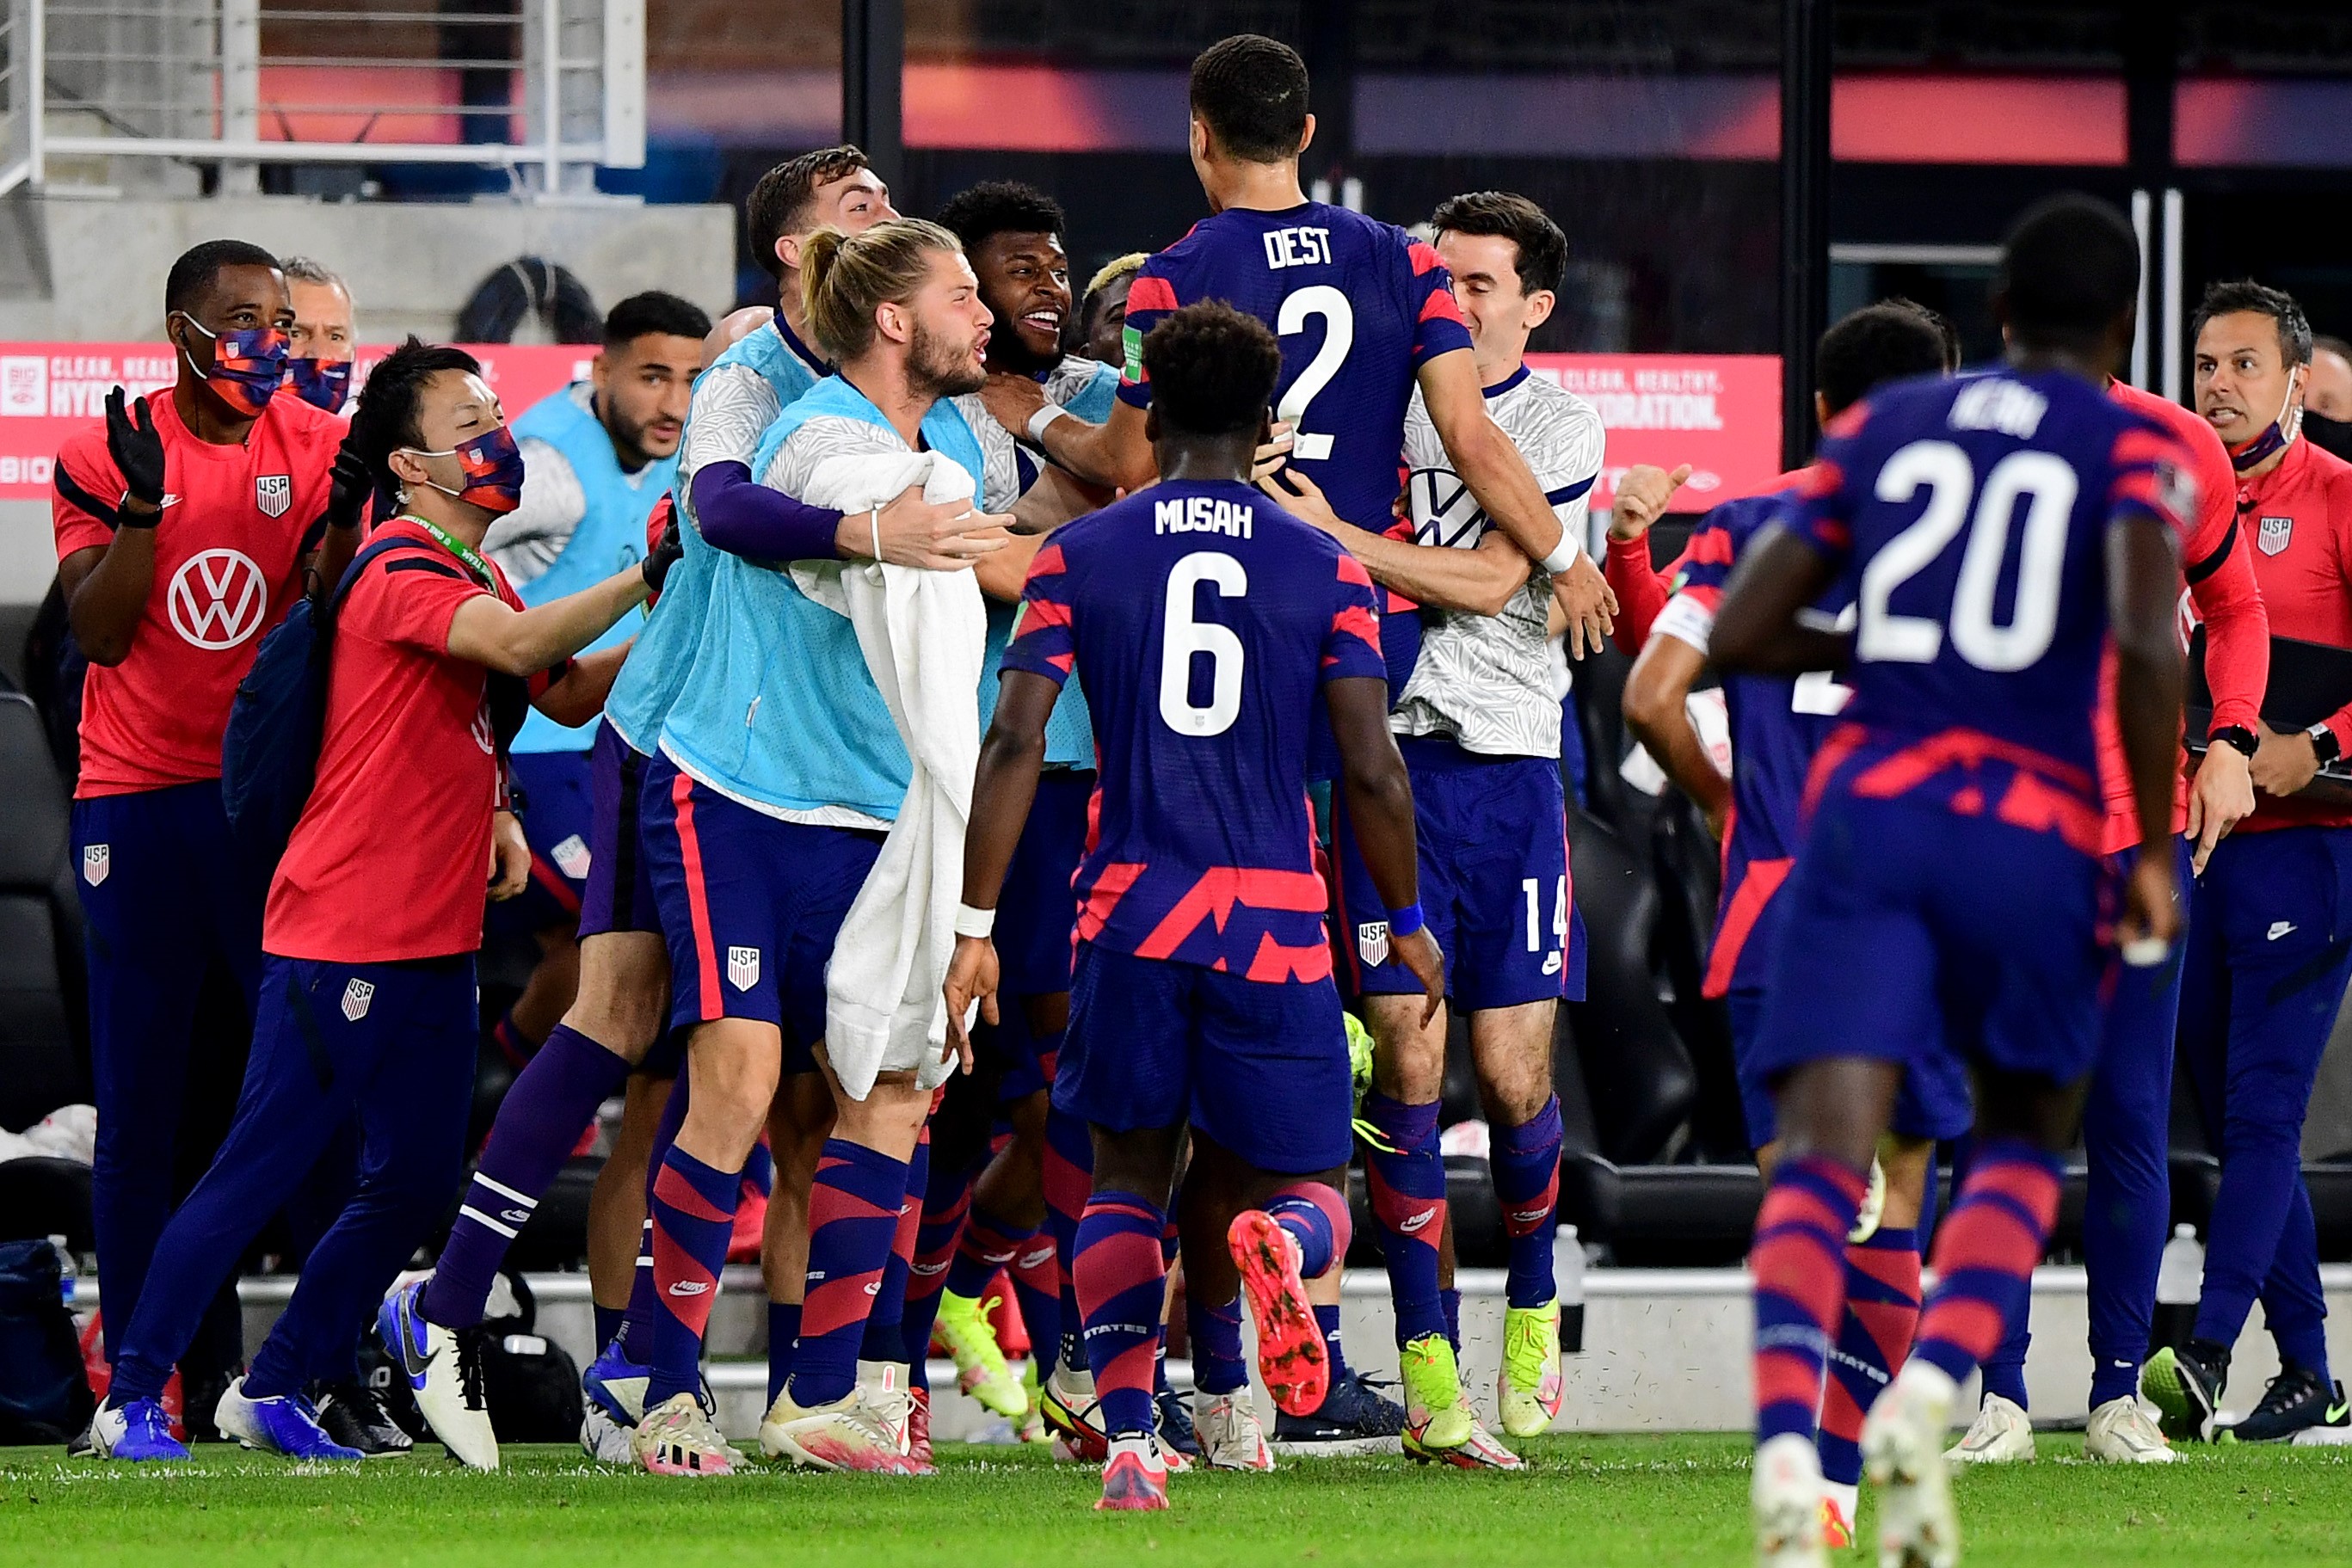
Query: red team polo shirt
[(226, 555), (392, 856), (2298, 516)]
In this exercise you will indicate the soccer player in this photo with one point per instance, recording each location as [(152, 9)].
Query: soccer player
[(597, 456), (1963, 773), (323, 341), (1205, 619), (1364, 315), (2127, 1115), (1778, 724), (184, 524), (1102, 314), (1479, 726), (367, 997), (781, 771), (2270, 945)]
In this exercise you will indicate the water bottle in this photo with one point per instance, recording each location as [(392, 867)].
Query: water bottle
[(67, 1269), (1568, 1269), (2180, 1276)]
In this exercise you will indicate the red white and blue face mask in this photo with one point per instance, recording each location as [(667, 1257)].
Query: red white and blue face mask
[(492, 463), (322, 383), (248, 367)]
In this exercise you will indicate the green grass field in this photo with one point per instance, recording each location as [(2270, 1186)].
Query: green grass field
[(1646, 1502)]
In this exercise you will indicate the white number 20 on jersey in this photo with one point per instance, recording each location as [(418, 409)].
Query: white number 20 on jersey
[(1183, 638)]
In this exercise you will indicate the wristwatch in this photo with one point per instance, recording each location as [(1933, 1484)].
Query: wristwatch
[(2323, 744), (2238, 736)]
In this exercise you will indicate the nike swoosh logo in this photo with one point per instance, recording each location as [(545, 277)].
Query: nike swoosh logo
[(1529, 1216), (927, 1269), (1418, 1222), (2279, 928), (2336, 1414), (688, 1287)]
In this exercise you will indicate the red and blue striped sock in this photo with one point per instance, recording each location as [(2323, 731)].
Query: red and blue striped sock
[(1037, 1276), (886, 1338), (637, 1323), (1216, 1335), (853, 1221), (1121, 1283), (1798, 1263), (1985, 1253), (1407, 1181), (988, 1247), (1525, 1161), (1068, 1179), (694, 1215), (945, 1205), (1316, 1219), (1882, 1308)]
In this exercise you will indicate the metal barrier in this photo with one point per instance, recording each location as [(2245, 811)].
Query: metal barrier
[(548, 89)]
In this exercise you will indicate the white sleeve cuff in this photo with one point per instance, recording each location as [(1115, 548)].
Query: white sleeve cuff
[(1686, 620)]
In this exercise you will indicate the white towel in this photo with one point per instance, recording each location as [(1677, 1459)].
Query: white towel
[(924, 635)]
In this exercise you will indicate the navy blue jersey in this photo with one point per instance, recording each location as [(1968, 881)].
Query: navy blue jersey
[(1359, 305), (1204, 619), (1968, 519)]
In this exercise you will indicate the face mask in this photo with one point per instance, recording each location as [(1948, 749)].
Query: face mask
[(493, 467), (2274, 436), (322, 383), (248, 367), (2328, 435)]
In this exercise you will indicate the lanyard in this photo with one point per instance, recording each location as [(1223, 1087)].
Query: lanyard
[(455, 545)]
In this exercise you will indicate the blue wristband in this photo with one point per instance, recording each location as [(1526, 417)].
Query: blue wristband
[(1406, 921)]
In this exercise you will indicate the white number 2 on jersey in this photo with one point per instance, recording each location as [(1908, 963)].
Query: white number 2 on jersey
[(1182, 637), (1338, 337), (2045, 482)]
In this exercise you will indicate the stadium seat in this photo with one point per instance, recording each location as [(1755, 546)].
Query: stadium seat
[(43, 1034)]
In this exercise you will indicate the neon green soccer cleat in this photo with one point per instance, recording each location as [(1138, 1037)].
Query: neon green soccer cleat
[(1528, 1393), (980, 1368), (1436, 1419)]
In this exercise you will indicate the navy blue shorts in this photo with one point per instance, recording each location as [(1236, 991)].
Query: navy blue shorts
[(1494, 885), (1934, 1101), (749, 906), (559, 822), (619, 892), (1922, 937), (1260, 1066)]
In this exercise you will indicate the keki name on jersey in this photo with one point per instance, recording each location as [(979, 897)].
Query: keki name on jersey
[(1202, 515)]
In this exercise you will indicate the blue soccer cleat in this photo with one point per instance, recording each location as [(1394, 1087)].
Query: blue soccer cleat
[(282, 1424), (139, 1432), (617, 1383)]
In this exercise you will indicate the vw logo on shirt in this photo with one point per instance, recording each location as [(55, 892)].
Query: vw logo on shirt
[(217, 599)]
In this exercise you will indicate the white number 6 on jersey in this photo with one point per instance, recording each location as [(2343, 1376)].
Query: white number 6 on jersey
[(1182, 637)]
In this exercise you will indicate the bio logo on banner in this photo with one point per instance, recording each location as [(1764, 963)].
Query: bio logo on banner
[(23, 386), (217, 599)]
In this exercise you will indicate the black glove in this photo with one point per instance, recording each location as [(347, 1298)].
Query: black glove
[(132, 441), (350, 485), (655, 567)]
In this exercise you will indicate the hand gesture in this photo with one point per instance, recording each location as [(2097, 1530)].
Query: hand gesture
[(971, 976), (1642, 497), (2220, 798), (509, 856), (1419, 952), (1014, 400), (348, 486), (668, 551), (1301, 497), (137, 448), (2151, 917), (944, 536), (1590, 603)]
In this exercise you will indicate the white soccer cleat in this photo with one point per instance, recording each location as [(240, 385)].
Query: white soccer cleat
[(676, 1439), (1226, 1426), (882, 1387), (849, 1434), (2123, 1433), (1902, 1452), (1873, 1206), (444, 1370), (2003, 1434), (1784, 1499), (605, 1441)]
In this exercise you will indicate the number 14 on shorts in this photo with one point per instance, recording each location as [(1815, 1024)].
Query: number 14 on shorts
[(1532, 887)]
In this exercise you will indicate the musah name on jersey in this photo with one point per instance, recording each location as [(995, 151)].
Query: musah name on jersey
[(1202, 515)]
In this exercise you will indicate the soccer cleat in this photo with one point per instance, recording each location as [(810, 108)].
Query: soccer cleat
[(980, 1368), (2297, 1400), (1074, 1414), (282, 1424), (1359, 1057), (1873, 1206), (1528, 1387), (604, 1439), (2121, 1433), (1229, 1433), (1291, 1356), (849, 1434), (1837, 1525), (1135, 1479), (1172, 1425), (138, 1433), (882, 1387), (444, 1375), (1355, 1419), (1032, 1428), (2003, 1434), (352, 1414), (676, 1439), (2186, 1384), (1786, 1504), (1435, 1418), (918, 1428), (1903, 1454), (617, 1384), (1480, 1452)]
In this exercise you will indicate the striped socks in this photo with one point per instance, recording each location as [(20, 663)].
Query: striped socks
[(1316, 1219), (1799, 1263), (693, 1217), (1985, 1253), (1121, 1281), (852, 1223), (1881, 1309), (1407, 1182), (1068, 1176), (1525, 1161)]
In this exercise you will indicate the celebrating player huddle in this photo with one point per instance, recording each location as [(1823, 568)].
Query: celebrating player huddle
[(999, 737)]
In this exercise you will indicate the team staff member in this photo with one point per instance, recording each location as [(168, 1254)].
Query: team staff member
[(2270, 922), (368, 1001), (184, 524), (323, 342)]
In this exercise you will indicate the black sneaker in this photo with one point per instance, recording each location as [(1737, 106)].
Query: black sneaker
[(1355, 1417), (352, 1414), (2186, 1384), (1172, 1418), (2298, 1399)]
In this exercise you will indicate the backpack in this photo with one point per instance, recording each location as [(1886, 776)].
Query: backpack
[(269, 754), (44, 1395)]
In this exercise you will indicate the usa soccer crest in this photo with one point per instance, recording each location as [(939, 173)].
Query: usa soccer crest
[(572, 858), (97, 860), (273, 493), (1372, 942), (743, 967), (2272, 535), (356, 997)]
